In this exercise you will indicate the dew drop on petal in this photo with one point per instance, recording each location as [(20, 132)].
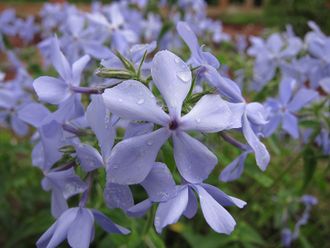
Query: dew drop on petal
[(140, 101), (198, 120), (184, 76), (177, 60)]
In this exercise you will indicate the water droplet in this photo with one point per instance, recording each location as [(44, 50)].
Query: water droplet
[(177, 60), (115, 166), (184, 76), (149, 143), (140, 101), (120, 100), (198, 120)]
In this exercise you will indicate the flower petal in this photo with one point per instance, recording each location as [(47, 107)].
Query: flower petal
[(169, 212), (33, 114), (159, 184), (193, 159), (290, 124), (51, 90), (81, 230), (134, 101), (260, 150), (59, 61), (235, 169), (215, 215), (118, 196), (222, 198), (302, 98), (210, 114), (77, 68), (89, 158), (169, 72), (62, 226), (192, 205), (99, 119), (107, 225), (139, 209), (131, 160)]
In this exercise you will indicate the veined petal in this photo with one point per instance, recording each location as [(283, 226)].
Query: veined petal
[(302, 98), (131, 160), (77, 68), (134, 101), (139, 209), (59, 61), (189, 38), (118, 196), (210, 114), (99, 119), (215, 215), (62, 226), (193, 159), (235, 169), (33, 114), (290, 124), (169, 212), (260, 150), (81, 230), (51, 90), (172, 78), (159, 184), (192, 205), (222, 198), (89, 158), (107, 225)]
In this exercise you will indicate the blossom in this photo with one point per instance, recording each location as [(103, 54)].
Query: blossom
[(212, 201), (56, 90), (63, 184), (131, 160), (77, 226), (283, 110), (270, 54)]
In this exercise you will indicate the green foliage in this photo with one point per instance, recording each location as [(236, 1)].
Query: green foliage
[(297, 13)]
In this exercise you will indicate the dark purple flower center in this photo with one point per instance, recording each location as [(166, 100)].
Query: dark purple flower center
[(173, 125)]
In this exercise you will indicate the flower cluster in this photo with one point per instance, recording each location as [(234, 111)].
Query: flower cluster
[(119, 99)]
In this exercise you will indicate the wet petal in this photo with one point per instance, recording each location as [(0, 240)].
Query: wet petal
[(159, 184), (99, 119), (193, 159), (134, 101), (170, 72), (210, 114), (169, 212), (118, 196), (131, 160)]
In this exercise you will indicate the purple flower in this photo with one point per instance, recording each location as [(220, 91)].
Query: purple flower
[(57, 90), (158, 184), (132, 159), (270, 54), (79, 39), (283, 110), (77, 226), (63, 185), (212, 201), (121, 36)]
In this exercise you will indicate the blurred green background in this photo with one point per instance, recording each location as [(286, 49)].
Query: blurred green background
[(25, 207)]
